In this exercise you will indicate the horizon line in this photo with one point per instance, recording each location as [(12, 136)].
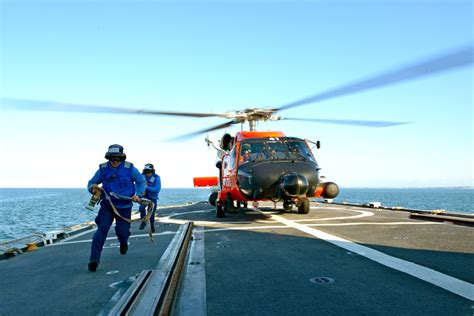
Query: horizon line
[(348, 187)]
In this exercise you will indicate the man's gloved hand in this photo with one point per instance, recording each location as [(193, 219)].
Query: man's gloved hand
[(95, 188)]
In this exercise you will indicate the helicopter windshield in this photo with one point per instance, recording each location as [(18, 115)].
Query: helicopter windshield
[(283, 148)]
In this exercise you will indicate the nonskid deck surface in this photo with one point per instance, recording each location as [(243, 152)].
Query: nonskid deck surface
[(54, 280), (335, 260)]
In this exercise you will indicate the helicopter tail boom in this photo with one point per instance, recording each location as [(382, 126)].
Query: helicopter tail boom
[(205, 181)]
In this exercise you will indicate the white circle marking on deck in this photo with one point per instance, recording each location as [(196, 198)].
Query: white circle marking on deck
[(362, 214)]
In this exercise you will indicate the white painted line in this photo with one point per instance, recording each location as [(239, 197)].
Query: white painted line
[(170, 219), (211, 230), (381, 224), (331, 208), (164, 207), (190, 212), (449, 283), (73, 237), (110, 238), (362, 214)]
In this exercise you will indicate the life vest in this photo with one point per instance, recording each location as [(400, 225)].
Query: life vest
[(118, 180), (151, 181)]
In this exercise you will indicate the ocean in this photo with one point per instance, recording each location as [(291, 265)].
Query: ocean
[(25, 211)]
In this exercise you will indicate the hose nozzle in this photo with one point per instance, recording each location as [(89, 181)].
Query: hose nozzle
[(93, 201)]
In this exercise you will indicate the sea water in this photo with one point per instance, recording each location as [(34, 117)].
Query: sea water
[(25, 211)]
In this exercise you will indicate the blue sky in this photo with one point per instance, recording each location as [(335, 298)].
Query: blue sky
[(217, 56)]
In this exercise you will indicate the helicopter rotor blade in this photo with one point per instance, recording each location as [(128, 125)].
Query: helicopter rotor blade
[(350, 122), (456, 59), (213, 128), (23, 104)]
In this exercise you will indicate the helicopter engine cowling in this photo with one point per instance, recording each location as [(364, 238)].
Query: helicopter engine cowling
[(294, 185)]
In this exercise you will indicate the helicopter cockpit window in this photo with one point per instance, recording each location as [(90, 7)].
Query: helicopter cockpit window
[(274, 149), (251, 151), (245, 151), (299, 149), (277, 150)]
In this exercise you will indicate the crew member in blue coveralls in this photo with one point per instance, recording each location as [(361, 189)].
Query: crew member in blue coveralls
[(120, 177), (153, 187)]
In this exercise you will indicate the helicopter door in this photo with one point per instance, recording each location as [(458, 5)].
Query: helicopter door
[(228, 168), (225, 171)]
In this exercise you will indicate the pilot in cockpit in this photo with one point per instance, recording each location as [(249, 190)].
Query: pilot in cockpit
[(245, 153)]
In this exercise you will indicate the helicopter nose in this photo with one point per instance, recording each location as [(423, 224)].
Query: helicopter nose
[(294, 185)]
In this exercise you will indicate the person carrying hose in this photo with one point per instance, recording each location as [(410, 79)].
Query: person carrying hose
[(119, 177), (153, 187)]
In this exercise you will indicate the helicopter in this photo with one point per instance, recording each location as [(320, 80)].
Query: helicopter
[(255, 165)]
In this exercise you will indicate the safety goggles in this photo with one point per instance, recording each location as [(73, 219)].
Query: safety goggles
[(115, 159)]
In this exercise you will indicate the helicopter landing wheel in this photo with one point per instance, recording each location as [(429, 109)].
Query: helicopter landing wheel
[(219, 211), (287, 206), (213, 198), (229, 206), (303, 208), (241, 205)]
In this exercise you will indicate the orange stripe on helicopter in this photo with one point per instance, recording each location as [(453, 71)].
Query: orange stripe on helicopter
[(253, 134)]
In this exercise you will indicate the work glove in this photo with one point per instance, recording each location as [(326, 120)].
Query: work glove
[(95, 188)]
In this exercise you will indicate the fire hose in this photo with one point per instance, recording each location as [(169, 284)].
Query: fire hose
[(149, 211)]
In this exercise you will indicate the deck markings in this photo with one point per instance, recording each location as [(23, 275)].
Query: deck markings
[(74, 237), (211, 230), (362, 214), (380, 224), (110, 238), (170, 219), (449, 283)]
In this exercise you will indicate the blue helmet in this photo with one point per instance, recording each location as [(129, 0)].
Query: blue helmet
[(115, 150)]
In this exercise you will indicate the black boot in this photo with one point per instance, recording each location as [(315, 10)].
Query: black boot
[(123, 248), (93, 265)]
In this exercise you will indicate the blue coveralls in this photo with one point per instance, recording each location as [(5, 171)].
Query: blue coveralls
[(125, 180), (153, 187)]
